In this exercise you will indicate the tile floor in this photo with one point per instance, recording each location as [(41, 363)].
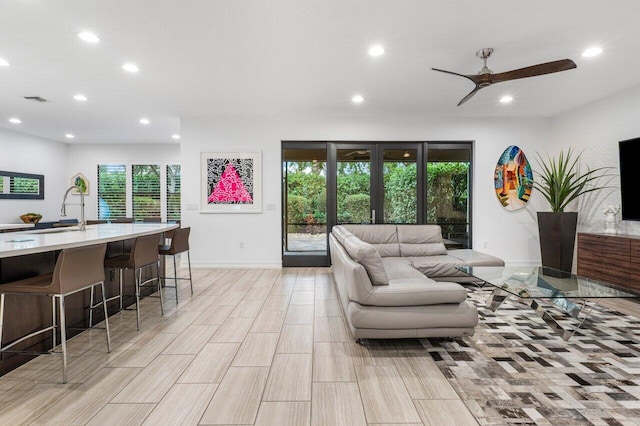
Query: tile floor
[(263, 347)]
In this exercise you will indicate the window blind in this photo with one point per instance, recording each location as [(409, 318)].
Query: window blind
[(112, 191), (145, 191), (173, 192)]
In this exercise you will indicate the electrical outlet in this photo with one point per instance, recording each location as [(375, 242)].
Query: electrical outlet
[(241, 244), (485, 244)]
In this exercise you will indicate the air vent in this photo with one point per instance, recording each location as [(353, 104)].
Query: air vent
[(35, 98)]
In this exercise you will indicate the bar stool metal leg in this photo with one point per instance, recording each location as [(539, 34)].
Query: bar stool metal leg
[(106, 319), (138, 275), (63, 338), (54, 321), (1, 316), (91, 307), (190, 280), (160, 289), (121, 281), (175, 276)]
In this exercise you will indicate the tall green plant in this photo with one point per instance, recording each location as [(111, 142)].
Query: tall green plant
[(561, 181)]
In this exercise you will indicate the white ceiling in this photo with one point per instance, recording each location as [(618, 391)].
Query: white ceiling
[(297, 57)]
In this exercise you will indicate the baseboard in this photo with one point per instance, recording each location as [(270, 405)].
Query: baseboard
[(235, 265)]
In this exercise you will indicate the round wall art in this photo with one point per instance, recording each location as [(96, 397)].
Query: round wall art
[(513, 179)]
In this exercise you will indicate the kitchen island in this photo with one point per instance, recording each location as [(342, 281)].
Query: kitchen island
[(30, 253)]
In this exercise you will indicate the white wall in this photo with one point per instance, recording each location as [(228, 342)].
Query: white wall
[(85, 159), (218, 237), (596, 129), (29, 154)]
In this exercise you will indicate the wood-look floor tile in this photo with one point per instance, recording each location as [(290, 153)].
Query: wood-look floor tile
[(141, 353), (384, 395), (257, 350), (299, 314), (301, 298), (121, 415), (444, 412), (215, 315), (268, 322), (238, 397), (267, 279), (332, 363), (233, 330), (276, 303), (182, 405), (155, 380), (190, 341), (328, 308), (24, 410), (230, 298), (246, 309), (329, 329), (304, 285), (325, 292), (337, 404), (200, 303), (284, 414), (175, 323), (423, 378), (370, 353), (83, 402), (289, 378), (210, 364), (257, 293), (281, 289), (296, 339)]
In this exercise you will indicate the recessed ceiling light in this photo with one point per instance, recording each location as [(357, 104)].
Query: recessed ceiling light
[(144, 121), (69, 136), (175, 136), (376, 50), (4, 63), (15, 120), (88, 37), (80, 97), (130, 67), (357, 99), (506, 99), (591, 52)]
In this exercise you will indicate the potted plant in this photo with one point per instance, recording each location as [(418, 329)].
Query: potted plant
[(560, 182)]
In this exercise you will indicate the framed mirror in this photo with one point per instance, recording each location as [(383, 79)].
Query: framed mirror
[(21, 186)]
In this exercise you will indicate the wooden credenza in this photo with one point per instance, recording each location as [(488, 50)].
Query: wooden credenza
[(611, 258)]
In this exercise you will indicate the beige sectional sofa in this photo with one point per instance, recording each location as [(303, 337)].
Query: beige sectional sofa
[(394, 281)]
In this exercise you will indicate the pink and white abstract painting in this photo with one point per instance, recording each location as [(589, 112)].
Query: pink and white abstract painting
[(231, 182)]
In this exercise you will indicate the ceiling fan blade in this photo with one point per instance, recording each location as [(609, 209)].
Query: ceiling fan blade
[(535, 70), (473, 78), (469, 96)]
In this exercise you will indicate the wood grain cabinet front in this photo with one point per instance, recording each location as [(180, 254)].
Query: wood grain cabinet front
[(611, 258)]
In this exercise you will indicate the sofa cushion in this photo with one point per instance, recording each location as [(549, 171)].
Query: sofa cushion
[(475, 258), (414, 291), (399, 268), (340, 232), (437, 266), (420, 240), (383, 237), (367, 255), (459, 315)]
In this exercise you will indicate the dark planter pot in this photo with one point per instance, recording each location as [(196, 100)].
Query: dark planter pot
[(557, 240)]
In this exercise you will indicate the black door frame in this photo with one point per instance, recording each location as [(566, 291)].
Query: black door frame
[(377, 185)]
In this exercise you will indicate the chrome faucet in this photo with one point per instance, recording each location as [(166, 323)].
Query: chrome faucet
[(63, 210)]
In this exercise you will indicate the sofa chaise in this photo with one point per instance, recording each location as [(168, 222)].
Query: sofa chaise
[(395, 281)]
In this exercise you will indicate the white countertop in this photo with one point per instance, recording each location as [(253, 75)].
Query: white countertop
[(38, 241), (16, 226)]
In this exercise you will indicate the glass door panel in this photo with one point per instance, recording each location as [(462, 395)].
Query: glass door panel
[(400, 185), (353, 179), (305, 200), (448, 184)]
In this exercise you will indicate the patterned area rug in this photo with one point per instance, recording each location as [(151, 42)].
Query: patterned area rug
[(516, 370)]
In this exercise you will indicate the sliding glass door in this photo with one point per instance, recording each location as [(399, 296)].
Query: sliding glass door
[(329, 183)]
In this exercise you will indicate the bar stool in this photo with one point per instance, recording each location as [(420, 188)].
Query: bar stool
[(76, 269), (179, 244), (144, 253)]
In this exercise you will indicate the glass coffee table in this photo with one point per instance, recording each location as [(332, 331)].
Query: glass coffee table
[(531, 284)]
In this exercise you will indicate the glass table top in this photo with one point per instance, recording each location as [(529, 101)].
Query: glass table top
[(530, 282)]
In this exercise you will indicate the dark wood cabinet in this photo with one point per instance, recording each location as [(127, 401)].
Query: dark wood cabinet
[(611, 258)]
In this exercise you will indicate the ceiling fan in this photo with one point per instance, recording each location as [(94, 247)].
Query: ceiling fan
[(486, 77)]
